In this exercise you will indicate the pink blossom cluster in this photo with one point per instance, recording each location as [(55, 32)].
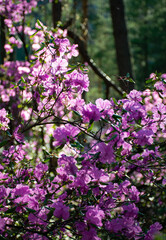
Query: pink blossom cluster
[(70, 169), (4, 120), (14, 11)]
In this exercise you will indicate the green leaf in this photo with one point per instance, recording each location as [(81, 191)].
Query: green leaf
[(150, 80), (89, 193), (77, 145), (70, 71), (30, 210), (124, 95), (39, 23), (19, 82), (112, 138), (115, 116), (91, 127), (8, 133), (131, 80), (10, 210), (105, 120), (77, 113), (38, 29), (96, 155), (23, 80), (26, 178), (22, 88), (104, 183), (3, 143), (80, 159), (50, 214), (114, 100)]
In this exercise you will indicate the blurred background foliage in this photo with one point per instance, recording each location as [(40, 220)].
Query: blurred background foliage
[(91, 21)]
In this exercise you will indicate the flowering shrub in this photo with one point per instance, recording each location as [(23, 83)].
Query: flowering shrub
[(71, 169)]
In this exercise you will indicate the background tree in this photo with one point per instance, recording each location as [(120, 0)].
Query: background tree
[(121, 42), (2, 40), (146, 23), (56, 11)]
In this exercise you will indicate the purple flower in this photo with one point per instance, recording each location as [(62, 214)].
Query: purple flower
[(164, 181), (90, 235), (144, 136), (135, 96), (59, 66), (98, 174), (130, 210), (105, 107), (61, 210), (2, 223), (154, 229), (95, 215), (3, 119), (134, 110), (67, 166), (82, 179), (63, 44), (134, 194), (77, 80), (160, 86), (90, 112), (17, 135), (21, 190), (63, 134), (115, 225), (106, 153), (40, 170), (2, 192), (39, 217)]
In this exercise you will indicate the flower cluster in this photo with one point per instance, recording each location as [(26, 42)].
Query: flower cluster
[(70, 169), (4, 120)]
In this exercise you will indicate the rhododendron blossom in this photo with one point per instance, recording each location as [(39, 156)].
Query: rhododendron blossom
[(71, 169)]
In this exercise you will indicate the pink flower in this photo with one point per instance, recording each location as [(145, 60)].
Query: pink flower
[(154, 229), (21, 190), (95, 215), (3, 119), (90, 112), (106, 153), (144, 136), (8, 48), (164, 182), (90, 235), (105, 107), (59, 66), (2, 223), (64, 134), (77, 80), (130, 210), (17, 135), (135, 95), (61, 210)]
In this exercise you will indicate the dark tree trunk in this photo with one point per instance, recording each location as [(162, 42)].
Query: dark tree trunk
[(56, 12), (2, 40), (121, 42), (85, 21), (85, 29), (145, 40)]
